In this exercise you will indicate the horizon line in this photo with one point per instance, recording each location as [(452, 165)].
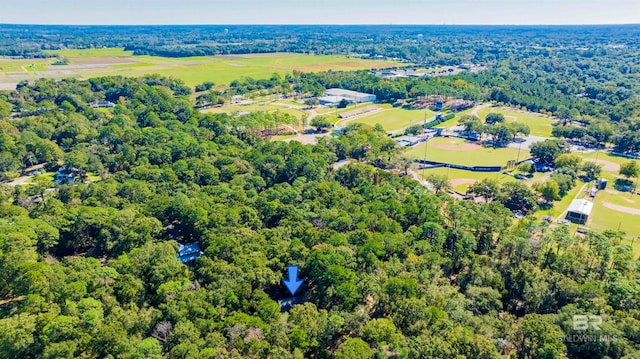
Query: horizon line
[(323, 24)]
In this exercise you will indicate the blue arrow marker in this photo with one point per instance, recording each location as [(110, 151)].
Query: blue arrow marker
[(293, 283)]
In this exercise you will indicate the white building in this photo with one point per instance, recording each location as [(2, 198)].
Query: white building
[(579, 211), (333, 101), (357, 97)]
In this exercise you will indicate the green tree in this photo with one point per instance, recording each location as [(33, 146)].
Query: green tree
[(343, 103), (5, 109), (591, 170), (439, 182), (547, 151), (549, 190), (488, 188), (629, 169), (321, 123), (354, 348), (493, 118)]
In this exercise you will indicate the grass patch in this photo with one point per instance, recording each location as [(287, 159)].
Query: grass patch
[(478, 157), (46, 175), (539, 125), (282, 137)]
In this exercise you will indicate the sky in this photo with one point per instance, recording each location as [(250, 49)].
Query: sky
[(518, 12)]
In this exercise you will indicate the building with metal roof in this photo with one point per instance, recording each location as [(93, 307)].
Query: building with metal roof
[(579, 211), (357, 97)]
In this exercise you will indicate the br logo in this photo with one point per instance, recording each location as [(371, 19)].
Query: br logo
[(582, 322)]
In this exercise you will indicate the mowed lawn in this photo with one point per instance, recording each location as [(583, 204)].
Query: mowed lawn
[(394, 118), (540, 125), (455, 151), (221, 70)]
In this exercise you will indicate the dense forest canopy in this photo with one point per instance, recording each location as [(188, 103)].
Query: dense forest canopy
[(390, 269)]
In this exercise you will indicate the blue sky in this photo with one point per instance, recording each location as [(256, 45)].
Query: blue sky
[(320, 11)]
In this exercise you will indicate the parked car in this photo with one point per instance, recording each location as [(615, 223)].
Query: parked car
[(547, 219), (519, 176), (583, 229), (564, 222)]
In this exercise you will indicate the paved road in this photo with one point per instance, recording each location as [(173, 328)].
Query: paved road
[(525, 143), (22, 180), (476, 109)]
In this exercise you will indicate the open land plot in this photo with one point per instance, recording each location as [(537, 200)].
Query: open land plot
[(393, 119), (540, 125), (458, 151), (221, 70)]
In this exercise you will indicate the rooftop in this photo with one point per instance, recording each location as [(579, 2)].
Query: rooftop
[(581, 206), (345, 93)]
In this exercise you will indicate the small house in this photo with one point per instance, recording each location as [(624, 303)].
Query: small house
[(66, 175)]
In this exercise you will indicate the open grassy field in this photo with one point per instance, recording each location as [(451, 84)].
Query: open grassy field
[(393, 119), (539, 125), (221, 70), (458, 151)]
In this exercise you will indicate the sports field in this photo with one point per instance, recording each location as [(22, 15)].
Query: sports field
[(393, 119), (540, 125), (460, 180), (221, 70), (461, 152)]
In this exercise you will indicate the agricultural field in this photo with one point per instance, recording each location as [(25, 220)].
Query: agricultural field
[(540, 125), (461, 152), (221, 70)]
